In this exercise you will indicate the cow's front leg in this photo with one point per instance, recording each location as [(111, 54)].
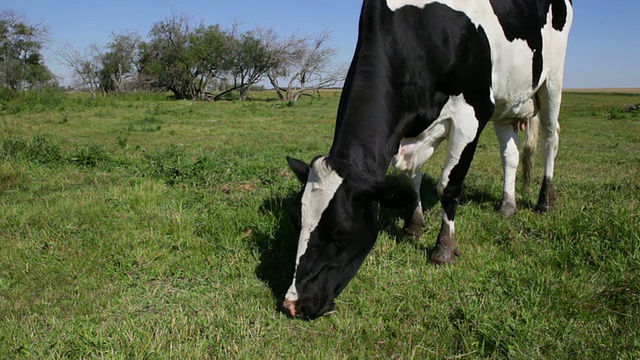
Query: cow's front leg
[(413, 219), (462, 146), (446, 248)]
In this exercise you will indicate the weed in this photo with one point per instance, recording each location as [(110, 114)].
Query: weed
[(122, 140), (173, 166)]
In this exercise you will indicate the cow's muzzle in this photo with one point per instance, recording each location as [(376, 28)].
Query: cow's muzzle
[(290, 307)]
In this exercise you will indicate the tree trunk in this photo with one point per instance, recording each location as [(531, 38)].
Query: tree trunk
[(219, 96), (282, 93), (244, 93)]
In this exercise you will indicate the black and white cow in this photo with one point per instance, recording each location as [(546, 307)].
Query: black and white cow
[(424, 71)]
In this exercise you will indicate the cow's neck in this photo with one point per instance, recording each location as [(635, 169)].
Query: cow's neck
[(366, 133)]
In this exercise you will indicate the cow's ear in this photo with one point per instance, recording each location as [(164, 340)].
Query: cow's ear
[(393, 195), (300, 168)]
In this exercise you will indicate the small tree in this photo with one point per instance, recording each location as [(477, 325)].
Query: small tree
[(118, 62), (164, 58), (187, 62), (210, 48), (21, 63), (252, 60), (304, 66)]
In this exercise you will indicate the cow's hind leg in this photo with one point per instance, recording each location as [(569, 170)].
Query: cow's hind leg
[(411, 155), (549, 97), (509, 139)]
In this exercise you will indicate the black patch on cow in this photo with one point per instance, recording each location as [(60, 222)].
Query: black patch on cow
[(444, 54), (524, 19), (558, 13)]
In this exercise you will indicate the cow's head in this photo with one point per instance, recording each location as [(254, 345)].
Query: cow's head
[(336, 217)]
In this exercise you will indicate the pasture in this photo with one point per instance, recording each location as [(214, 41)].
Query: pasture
[(140, 227)]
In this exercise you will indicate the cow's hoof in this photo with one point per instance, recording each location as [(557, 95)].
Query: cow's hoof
[(507, 210), (545, 204), (414, 224), (413, 232), (547, 197), (443, 255), (543, 208)]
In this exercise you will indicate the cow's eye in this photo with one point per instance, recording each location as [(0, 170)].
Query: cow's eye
[(340, 232), (341, 226)]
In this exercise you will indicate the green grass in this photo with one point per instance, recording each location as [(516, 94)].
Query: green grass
[(139, 227)]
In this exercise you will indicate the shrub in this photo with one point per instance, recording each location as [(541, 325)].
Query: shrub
[(48, 98), (629, 112), (40, 149), (173, 166)]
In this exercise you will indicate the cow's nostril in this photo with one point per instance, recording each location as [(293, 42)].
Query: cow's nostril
[(290, 305)]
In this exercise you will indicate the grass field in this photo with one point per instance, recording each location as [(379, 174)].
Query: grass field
[(140, 227)]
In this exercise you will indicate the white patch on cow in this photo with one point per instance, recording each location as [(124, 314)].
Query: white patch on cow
[(449, 225), (322, 184), (463, 129)]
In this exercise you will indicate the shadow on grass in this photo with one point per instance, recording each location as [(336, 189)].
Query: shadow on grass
[(429, 195), (277, 250)]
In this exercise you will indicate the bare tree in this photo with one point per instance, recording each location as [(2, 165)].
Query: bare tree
[(85, 66), (304, 67)]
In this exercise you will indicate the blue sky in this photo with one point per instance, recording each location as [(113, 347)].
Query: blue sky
[(604, 45)]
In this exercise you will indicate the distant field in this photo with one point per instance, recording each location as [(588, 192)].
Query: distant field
[(140, 227), (608, 90)]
